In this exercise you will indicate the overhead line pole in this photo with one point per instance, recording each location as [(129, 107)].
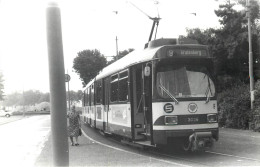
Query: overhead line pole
[(116, 12), (68, 90), (251, 75), (116, 49), (60, 147)]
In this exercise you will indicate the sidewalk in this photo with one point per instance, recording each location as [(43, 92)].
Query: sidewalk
[(78, 155), (95, 153)]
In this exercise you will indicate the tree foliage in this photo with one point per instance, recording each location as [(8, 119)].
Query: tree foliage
[(1, 87), (29, 97), (120, 55), (88, 63), (234, 106), (229, 44), (229, 47), (75, 96)]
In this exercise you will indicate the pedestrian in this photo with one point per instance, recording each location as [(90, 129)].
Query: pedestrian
[(74, 126)]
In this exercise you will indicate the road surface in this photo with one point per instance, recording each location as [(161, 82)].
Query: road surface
[(27, 142), (22, 140)]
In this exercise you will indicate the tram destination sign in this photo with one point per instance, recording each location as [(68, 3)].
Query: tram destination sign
[(187, 52)]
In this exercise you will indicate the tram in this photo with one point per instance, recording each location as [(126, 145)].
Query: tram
[(156, 96)]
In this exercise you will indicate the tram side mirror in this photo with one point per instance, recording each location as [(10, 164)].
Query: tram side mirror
[(147, 71)]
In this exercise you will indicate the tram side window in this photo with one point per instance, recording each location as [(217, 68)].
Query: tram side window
[(123, 86), (114, 88), (98, 92), (92, 95), (88, 97), (85, 98)]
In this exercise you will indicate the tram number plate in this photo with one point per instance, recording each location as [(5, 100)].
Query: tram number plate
[(192, 119)]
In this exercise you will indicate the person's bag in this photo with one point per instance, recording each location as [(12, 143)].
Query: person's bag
[(80, 132)]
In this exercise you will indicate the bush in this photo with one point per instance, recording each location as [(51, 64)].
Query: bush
[(234, 106)]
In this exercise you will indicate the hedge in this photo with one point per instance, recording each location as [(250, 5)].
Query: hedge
[(234, 106)]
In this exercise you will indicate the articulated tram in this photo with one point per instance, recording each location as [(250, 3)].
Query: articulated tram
[(156, 96)]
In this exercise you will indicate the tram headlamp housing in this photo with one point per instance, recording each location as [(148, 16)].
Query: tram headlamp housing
[(212, 118), (171, 120)]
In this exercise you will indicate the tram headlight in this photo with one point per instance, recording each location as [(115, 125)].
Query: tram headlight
[(171, 120), (212, 118)]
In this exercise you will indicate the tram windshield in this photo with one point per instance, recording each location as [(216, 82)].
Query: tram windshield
[(183, 82)]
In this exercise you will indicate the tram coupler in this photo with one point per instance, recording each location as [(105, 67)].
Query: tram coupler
[(199, 141)]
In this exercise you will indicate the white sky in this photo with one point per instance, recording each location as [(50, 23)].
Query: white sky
[(86, 24)]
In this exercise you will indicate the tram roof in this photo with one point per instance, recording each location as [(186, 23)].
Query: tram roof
[(90, 83), (132, 58), (140, 56), (137, 57)]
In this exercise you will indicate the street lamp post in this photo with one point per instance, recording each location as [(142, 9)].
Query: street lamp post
[(252, 96), (116, 49), (116, 12)]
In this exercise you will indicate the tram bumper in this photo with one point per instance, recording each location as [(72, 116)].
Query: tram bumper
[(164, 136), (199, 141)]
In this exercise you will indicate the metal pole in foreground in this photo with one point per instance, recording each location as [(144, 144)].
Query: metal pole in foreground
[(251, 75), (57, 87)]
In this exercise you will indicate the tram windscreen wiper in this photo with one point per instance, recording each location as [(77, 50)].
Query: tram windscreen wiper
[(208, 91), (168, 93)]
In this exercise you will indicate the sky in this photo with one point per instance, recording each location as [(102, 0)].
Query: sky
[(86, 24)]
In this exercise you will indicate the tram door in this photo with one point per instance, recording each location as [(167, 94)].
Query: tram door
[(106, 104), (142, 103)]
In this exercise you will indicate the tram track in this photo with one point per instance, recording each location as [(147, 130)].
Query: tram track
[(211, 155), (229, 155), (134, 153), (195, 163), (187, 159), (150, 154)]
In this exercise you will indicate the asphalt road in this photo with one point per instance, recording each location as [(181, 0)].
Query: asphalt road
[(27, 142), (4, 120), (22, 139), (234, 148)]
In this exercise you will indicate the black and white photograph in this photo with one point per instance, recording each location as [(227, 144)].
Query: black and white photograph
[(138, 83)]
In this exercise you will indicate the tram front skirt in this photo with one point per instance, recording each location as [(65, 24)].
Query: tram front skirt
[(199, 141)]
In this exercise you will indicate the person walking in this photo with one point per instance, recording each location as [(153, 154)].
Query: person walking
[(74, 126)]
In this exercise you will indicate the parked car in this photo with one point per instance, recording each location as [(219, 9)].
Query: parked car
[(5, 113)]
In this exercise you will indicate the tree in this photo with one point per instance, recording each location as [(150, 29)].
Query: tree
[(216, 46), (229, 47), (1, 87), (88, 63), (30, 97), (229, 44), (45, 97), (13, 99), (120, 55), (75, 96)]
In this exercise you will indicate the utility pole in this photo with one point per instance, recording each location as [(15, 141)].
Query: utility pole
[(67, 79), (116, 12), (60, 147), (251, 75), (23, 103), (116, 49)]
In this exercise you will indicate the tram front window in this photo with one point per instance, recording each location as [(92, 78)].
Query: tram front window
[(183, 82)]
